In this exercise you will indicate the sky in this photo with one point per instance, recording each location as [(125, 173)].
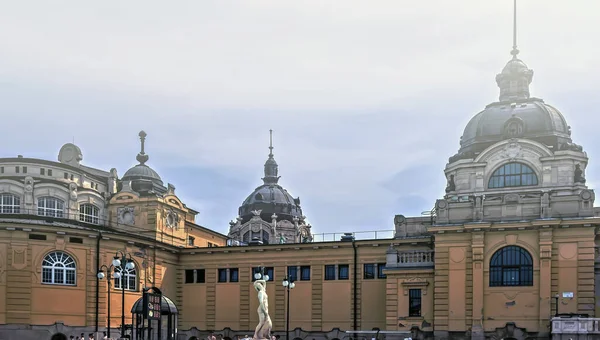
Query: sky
[(367, 100)]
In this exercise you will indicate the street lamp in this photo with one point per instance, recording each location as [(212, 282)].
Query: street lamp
[(288, 284), (555, 297), (260, 274), (120, 274), (109, 277)]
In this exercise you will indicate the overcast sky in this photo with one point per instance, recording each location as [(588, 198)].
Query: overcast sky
[(367, 99)]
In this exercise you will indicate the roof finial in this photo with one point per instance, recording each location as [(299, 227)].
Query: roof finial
[(271, 167), (270, 143), (514, 51), (142, 157)]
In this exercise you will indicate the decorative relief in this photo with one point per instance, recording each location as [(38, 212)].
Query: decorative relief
[(512, 151), (567, 251), (19, 257), (125, 215), (457, 255), (60, 243), (171, 219), (511, 239)]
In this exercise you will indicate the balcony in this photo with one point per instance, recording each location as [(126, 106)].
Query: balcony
[(410, 258)]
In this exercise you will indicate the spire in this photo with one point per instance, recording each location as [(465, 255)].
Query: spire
[(271, 167), (515, 50), (142, 157), (515, 78)]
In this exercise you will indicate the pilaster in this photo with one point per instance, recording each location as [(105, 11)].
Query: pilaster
[(477, 247), (545, 242)]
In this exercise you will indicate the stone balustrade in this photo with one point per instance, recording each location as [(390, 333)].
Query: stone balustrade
[(410, 258), (575, 328)]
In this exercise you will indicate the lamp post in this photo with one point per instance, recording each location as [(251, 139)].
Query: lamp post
[(120, 274), (288, 284), (101, 275)]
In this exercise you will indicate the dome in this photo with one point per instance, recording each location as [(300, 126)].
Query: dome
[(530, 118), (271, 199), (167, 307), (515, 115), (142, 171), (142, 177)]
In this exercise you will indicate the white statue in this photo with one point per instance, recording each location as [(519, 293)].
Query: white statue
[(263, 330)]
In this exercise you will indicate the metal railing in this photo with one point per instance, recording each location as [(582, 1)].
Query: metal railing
[(358, 235)]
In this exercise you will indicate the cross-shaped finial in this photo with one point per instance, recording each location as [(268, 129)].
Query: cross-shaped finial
[(270, 142)]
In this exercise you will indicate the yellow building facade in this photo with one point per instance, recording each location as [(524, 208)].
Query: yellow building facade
[(509, 252)]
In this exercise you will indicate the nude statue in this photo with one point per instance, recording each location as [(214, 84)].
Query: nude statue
[(263, 330)]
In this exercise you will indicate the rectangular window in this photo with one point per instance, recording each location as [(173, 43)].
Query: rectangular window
[(200, 276), (189, 276), (76, 240), (24, 169), (191, 240), (1, 169), (195, 276), (71, 176), (343, 272), (66, 175), (330, 272), (380, 268), (292, 273), (210, 245), (369, 271), (49, 172), (37, 237), (17, 169), (222, 275), (42, 171), (414, 302), (270, 271), (304, 273), (233, 275)]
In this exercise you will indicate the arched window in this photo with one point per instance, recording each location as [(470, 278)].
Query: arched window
[(50, 206), (511, 266), (58, 268), (10, 204), (89, 213), (513, 175), (128, 276)]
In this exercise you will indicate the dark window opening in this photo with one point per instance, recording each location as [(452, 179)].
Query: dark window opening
[(42, 171), (369, 271), (233, 275), (222, 275), (24, 169), (76, 240), (513, 175), (304, 273), (37, 237), (330, 272), (49, 172), (343, 272), (414, 302), (195, 276), (380, 268), (511, 266), (292, 273)]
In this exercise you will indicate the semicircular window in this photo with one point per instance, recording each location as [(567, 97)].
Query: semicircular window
[(58, 268), (513, 175), (511, 266)]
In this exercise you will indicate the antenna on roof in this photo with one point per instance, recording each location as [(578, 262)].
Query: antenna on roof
[(515, 50)]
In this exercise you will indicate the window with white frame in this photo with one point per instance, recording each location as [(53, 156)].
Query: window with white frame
[(89, 213), (50, 206), (59, 268), (128, 276), (10, 204)]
